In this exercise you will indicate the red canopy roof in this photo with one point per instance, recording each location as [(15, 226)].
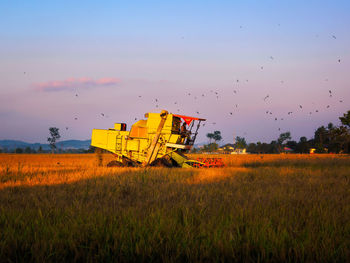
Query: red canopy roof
[(188, 119)]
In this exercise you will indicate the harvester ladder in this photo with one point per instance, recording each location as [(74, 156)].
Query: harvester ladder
[(119, 144)]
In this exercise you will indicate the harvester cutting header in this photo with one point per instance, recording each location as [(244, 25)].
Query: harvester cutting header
[(160, 140)]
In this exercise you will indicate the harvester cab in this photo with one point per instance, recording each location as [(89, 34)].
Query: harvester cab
[(161, 139)]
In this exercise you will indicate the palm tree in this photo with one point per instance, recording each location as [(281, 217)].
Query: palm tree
[(210, 137)]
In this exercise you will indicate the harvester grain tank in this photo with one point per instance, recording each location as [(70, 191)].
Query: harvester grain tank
[(161, 139)]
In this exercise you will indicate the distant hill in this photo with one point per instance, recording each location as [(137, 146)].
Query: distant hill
[(65, 145)]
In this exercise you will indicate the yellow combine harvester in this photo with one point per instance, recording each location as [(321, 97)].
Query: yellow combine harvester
[(160, 140)]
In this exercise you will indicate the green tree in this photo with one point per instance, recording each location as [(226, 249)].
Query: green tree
[(320, 139), (210, 136), (19, 150), (211, 147), (345, 120), (281, 139), (274, 147), (55, 135), (339, 138), (217, 136), (27, 150), (303, 145), (252, 148), (240, 143)]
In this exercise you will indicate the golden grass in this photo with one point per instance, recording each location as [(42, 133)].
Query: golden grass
[(51, 169), (258, 208)]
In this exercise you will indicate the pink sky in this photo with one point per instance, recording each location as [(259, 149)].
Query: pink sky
[(166, 51)]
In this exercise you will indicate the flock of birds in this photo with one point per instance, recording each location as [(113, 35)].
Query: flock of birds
[(266, 99), (216, 95)]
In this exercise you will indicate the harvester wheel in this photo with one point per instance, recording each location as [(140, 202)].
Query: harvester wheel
[(115, 164), (161, 162)]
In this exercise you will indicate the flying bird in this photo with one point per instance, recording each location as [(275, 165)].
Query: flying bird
[(266, 97), (102, 114), (334, 36), (300, 106)]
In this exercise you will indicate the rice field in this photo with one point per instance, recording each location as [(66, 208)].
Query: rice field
[(259, 208)]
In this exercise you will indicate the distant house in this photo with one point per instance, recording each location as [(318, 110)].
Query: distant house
[(226, 149), (230, 149), (239, 151)]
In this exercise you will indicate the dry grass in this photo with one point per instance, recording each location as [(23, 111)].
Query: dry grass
[(258, 208)]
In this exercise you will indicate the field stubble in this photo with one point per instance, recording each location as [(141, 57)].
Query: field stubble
[(258, 208)]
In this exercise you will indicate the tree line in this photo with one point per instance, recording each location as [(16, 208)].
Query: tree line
[(327, 139)]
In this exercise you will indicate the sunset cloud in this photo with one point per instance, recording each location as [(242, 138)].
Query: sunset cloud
[(74, 83)]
